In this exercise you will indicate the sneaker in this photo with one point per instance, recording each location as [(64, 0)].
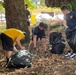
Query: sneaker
[(68, 54), (73, 55)]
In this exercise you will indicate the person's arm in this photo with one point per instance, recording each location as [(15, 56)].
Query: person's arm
[(65, 24), (34, 40), (15, 49), (19, 44), (29, 16), (35, 32), (48, 31)]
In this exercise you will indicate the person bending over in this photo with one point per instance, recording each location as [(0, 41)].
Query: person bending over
[(11, 37), (38, 32)]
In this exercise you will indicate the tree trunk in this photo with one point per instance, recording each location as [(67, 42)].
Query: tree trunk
[(15, 15)]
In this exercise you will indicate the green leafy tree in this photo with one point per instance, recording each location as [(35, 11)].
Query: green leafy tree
[(58, 3), (1, 8), (30, 4), (73, 3), (42, 2), (70, 6)]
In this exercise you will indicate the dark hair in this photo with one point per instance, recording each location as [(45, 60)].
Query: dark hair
[(64, 8), (24, 33), (26, 5), (41, 24)]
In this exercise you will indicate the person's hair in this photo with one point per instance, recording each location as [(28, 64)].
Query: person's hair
[(64, 8), (41, 24), (24, 33), (26, 5)]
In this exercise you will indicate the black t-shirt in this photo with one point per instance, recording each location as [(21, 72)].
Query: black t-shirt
[(71, 19), (37, 31), (27, 13)]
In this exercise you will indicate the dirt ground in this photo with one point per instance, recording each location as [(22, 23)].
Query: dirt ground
[(42, 64)]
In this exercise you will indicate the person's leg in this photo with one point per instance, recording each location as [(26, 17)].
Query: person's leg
[(8, 54), (7, 44), (43, 40)]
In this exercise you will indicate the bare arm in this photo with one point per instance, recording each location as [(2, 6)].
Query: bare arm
[(65, 24), (48, 30), (15, 49), (19, 44), (34, 40)]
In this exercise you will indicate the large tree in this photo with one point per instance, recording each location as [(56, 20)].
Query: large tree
[(56, 3), (15, 15), (59, 3)]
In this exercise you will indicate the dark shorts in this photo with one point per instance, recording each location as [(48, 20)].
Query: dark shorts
[(40, 36), (7, 42)]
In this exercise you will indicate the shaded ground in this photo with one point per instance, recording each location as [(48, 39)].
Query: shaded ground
[(42, 64)]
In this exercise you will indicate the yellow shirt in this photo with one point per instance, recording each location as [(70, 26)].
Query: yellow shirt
[(14, 33)]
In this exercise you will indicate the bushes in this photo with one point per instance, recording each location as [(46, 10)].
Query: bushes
[(74, 5), (57, 26)]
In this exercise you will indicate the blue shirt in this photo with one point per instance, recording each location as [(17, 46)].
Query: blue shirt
[(37, 31), (71, 20)]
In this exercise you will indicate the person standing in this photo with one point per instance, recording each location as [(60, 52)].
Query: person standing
[(28, 16), (69, 24), (11, 37)]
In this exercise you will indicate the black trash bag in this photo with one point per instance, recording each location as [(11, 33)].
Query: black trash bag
[(57, 42), (71, 38), (20, 59)]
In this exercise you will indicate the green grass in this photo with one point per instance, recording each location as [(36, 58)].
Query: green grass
[(2, 27)]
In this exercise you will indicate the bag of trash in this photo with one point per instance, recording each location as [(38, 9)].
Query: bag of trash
[(71, 38), (21, 59), (57, 42)]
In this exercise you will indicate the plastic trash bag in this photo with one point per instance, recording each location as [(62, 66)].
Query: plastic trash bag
[(43, 17), (57, 42), (20, 59)]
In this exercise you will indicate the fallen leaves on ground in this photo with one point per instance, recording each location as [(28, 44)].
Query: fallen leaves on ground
[(42, 64)]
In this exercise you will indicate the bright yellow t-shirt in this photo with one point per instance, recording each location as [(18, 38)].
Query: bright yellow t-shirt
[(14, 33)]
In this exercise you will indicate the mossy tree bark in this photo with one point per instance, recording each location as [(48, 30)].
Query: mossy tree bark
[(15, 15)]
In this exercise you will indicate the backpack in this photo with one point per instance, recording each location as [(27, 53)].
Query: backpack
[(20, 59), (57, 42)]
